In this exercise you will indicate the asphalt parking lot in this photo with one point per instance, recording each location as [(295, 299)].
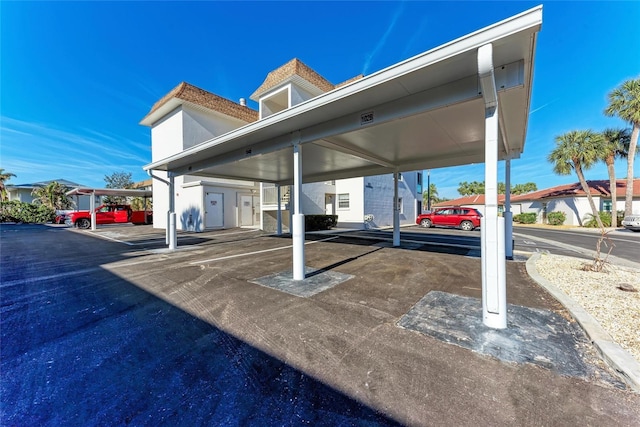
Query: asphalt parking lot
[(110, 328)]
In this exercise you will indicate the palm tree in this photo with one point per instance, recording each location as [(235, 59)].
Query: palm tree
[(431, 193), (4, 176), (616, 145), (578, 150), (52, 195), (624, 102)]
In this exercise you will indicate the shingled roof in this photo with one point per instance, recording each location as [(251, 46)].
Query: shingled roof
[(295, 67), (194, 95)]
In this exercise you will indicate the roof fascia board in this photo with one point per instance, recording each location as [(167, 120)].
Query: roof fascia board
[(521, 22)]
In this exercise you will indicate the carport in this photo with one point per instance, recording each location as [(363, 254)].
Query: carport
[(464, 102), (115, 192)]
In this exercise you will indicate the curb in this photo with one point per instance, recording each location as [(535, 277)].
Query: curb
[(625, 365)]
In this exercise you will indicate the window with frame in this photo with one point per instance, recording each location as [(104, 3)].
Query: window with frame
[(343, 201), (607, 205)]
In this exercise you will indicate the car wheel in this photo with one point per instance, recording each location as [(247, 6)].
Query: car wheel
[(467, 225), (426, 223), (83, 223)]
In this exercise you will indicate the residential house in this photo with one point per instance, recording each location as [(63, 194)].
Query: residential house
[(188, 115), (572, 200), (23, 192), (477, 201)]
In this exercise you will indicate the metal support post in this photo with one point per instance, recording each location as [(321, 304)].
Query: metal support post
[(494, 304), (279, 212), (396, 212), (298, 218), (508, 215)]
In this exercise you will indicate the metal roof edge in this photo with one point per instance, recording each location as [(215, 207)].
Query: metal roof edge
[(528, 19)]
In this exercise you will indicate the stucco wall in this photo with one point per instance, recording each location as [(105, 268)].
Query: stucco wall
[(166, 136), (199, 126), (378, 199), (353, 216)]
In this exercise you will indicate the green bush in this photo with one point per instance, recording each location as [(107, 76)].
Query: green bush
[(591, 222), (526, 218), (320, 222), (556, 218), (16, 211)]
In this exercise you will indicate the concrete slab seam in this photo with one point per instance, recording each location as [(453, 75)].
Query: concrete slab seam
[(618, 358)]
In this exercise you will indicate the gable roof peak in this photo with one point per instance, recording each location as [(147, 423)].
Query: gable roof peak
[(294, 67)]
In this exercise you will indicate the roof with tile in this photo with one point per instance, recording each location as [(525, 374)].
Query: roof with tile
[(295, 67), (596, 188), (477, 199), (194, 95)]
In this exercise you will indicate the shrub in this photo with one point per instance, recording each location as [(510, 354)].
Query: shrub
[(591, 222), (16, 211), (320, 222), (526, 218), (556, 218)]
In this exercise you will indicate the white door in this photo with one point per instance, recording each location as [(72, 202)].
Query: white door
[(214, 210), (246, 210), (330, 204)]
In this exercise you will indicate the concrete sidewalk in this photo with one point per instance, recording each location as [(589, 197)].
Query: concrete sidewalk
[(348, 336)]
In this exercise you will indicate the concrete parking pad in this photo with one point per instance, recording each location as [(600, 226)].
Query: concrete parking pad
[(102, 332), (315, 281), (535, 336)]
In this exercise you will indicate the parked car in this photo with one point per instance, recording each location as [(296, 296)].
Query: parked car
[(631, 222), (452, 216), (109, 214)]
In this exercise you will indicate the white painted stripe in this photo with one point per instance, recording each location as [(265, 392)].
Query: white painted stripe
[(6, 284), (257, 252), (113, 239)]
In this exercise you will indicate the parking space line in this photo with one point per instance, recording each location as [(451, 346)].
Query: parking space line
[(257, 252)]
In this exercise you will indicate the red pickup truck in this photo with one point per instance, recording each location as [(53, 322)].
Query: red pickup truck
[(109, 214)]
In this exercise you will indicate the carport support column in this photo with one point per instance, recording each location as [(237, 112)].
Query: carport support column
[(278, 212), (92, 205), (396, 212), (298, 217), (171, 226), (508, 215), (494, 303)]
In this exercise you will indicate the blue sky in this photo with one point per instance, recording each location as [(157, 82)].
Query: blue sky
[(77, 77)]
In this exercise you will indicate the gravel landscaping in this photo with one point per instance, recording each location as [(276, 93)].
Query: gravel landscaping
[(599, 293)]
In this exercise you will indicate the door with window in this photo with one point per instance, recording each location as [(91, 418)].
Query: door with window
[(330, 204)]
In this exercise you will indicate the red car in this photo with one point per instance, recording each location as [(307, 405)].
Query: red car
[(452, 216)]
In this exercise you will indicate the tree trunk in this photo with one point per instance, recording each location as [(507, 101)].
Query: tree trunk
[(628, 195), (585, 187), (612, 190)]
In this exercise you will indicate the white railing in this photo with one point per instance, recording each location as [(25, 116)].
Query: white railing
[(270, 195)]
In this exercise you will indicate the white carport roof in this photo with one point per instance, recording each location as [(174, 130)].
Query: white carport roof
[(87, 191), (425, 112)]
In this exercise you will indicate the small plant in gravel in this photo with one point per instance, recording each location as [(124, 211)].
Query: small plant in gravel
[(600, 264)]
